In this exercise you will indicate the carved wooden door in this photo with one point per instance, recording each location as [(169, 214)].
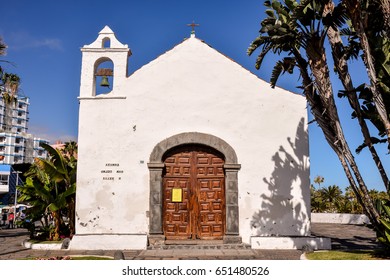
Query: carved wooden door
[(200, 211)]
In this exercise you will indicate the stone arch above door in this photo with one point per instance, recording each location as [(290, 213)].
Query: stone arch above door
[(156, 167), (193, 138)]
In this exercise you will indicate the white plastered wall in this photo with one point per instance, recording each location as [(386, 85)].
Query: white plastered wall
[(193, 88)]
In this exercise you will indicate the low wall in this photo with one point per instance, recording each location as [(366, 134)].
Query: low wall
[(338, 218)]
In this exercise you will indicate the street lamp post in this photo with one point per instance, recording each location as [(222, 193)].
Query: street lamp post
[(16, 196)]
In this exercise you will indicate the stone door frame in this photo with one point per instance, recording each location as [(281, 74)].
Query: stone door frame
[(156, 167)]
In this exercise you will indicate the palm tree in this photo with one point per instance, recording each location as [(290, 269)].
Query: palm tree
[(52, 182), (319, 180), (317, 203), (300, 29), (350, 197), (332, 196), (3, 47), (45, 196), (340, 55), (62, 173), (10, 86), (370, 19), (70, 151)]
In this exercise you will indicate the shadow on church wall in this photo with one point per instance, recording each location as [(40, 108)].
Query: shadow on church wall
[(279, 214)]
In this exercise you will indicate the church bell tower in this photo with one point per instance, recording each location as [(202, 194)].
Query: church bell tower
[(104, 65)]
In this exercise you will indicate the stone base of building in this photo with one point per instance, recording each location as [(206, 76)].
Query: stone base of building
[(156, 239), (232, 239), (297, 243), (109, 242)]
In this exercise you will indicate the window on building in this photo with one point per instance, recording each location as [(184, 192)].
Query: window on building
[(2, 139), (3, 179)]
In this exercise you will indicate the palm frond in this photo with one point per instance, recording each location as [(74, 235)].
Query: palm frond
[(50, 169), (276, 72), (57, 158), (261, 56), (291, 4), (258, 42), (282, 66), (3, 47), (304, 13), (374, 141), (336, 18)]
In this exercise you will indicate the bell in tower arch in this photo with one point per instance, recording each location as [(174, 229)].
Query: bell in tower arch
[(104, 82), (104, 73)]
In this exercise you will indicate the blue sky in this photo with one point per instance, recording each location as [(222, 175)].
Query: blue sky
[(44, 40)]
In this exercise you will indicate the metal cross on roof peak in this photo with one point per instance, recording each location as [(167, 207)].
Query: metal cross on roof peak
[(193, 25)]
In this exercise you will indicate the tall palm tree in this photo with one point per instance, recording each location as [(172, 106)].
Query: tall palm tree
[(10, 87), (300, 29), (3, 47), (319, 180), (340, 56), (370, 19)]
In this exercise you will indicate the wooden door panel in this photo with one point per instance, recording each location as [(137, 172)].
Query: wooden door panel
[(199, 173), (176, 221), (211, 212)]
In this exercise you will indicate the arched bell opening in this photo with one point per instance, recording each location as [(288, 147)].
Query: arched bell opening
[(104, 73), (106, 43)]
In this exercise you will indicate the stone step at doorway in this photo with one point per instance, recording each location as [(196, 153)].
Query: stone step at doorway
[(210, 246)]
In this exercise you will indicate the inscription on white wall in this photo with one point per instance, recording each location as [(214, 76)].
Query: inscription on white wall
[(111, 172)]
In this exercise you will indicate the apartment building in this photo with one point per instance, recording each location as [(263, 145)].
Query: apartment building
[(16, 145)]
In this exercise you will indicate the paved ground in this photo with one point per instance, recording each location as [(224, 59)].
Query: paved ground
[(347, 237), (343, 237)]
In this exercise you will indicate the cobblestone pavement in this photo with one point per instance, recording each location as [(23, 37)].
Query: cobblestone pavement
[(343, 237)]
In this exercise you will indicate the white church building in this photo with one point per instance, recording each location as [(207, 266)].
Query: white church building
[(190, 148)]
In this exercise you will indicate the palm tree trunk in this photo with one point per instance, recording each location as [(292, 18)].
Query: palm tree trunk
[(71, 213), (57, 221), (353, 7), (325, 112), (368, 210), (385, 5), (342, 69), (319, 68), (8, 116)]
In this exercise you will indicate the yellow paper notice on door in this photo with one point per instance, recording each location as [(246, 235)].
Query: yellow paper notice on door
[(177, 195)]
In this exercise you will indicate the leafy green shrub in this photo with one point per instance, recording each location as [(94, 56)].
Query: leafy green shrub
[(383, 207)]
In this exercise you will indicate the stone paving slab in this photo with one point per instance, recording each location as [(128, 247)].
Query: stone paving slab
[(343, 237)]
